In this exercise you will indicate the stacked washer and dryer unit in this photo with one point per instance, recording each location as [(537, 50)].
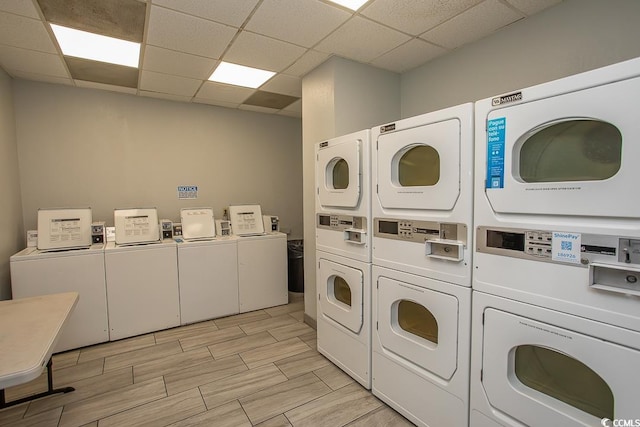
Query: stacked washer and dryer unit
[(556, 305), (422, 234), (343, 253)]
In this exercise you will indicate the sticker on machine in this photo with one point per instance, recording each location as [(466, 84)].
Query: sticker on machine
[(565, 247), (495, 153)]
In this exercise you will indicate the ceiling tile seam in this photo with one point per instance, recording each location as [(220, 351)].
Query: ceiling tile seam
[(49, 30), (421, 35), (224, 52), (402, 44), (514, 8), (143, 47)]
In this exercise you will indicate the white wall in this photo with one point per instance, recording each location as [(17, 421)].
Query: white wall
[(574, 36), (338, 97), (12, 236), (84, 147)]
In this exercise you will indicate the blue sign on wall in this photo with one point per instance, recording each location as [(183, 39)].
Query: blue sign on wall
[(495, 152)]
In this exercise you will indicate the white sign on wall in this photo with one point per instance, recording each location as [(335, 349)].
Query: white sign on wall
[(187, 192)]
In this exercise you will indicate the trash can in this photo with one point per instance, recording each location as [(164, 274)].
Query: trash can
[(295, 264)]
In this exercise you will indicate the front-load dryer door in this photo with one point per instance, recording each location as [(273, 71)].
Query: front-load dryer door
[(573, 154), (419, 168), (419, 325), (341, 290), (541, 374), (339, 172)]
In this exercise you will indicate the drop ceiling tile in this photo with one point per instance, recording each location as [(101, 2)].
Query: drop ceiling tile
[(258, 109), (295, 108), (263, 52), (410, 55), (302, 22), (121, 19), (20, 7), (261, 98), (224, 11), (285, 84), (102, 86), (307, 62), (165, 83), (16, 59), (170, 97), (216, 103), (185, 33), (474, 24), (102, 72), (362, 40), (287, 113), (27, 33), (177, 63), (415, 16), (42, 78), (226, 93), (530, 7)]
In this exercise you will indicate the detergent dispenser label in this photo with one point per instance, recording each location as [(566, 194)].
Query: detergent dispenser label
[(495, 152), (565, 247)]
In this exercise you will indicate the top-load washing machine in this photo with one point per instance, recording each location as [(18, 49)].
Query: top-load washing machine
[(262, 260), (64, 261), (142, 276), (207, 268), (343, 252), (556, 316), (422, 232)]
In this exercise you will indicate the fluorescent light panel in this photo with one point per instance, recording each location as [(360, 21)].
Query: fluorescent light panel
[(239, 75), (96, 47), (351, 4)]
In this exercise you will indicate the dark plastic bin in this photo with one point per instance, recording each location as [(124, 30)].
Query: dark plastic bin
[(295, 264)]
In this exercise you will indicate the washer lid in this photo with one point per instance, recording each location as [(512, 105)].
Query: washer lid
[(197, 223)]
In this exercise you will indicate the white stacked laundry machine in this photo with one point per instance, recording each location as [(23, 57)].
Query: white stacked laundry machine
[(343, 253), (556, 304), (422, 236)]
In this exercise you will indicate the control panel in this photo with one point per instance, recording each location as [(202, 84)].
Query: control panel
[(444, 240), (354, 228)]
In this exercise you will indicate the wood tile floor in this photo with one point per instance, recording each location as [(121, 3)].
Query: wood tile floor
[(259, 368)]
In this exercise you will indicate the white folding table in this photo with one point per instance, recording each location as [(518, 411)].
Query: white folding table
[(29, 330)]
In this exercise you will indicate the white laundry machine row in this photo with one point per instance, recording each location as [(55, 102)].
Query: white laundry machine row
[(343, 196), (558, 245), (36, 272), (262, 271), (533, 366), (421, 345), (142, 288), (344, 314), (208, 279), (423, 194)]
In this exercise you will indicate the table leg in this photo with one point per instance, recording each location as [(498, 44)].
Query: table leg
[(50, 390)]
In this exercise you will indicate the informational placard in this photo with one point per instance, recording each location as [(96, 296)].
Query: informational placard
[(495, 152), (565, 246), (187, 192)]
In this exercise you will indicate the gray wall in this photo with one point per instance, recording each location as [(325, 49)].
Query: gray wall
[(84, 147), (574, 36), (338, 97), (12, 236)]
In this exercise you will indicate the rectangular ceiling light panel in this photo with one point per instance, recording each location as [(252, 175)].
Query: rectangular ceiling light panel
[(350, 4), (81, 44), (239, 75)]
